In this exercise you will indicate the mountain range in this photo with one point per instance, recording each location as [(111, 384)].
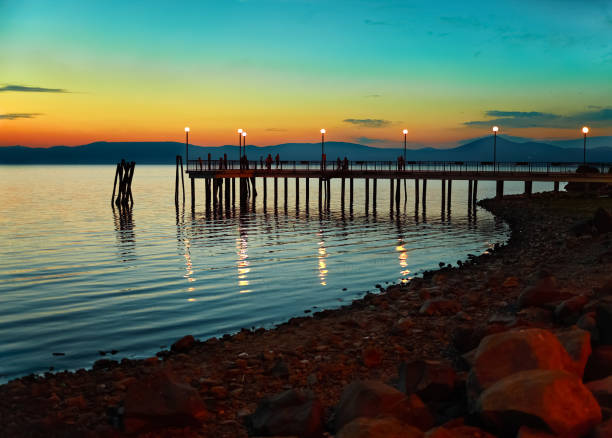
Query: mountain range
[(165, 152)]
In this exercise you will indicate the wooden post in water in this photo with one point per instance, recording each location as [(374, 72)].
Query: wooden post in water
[(265, 189), (424, 194), (416, 192), (443, 184), (328, 197), (192, 192), (207, 189), (320, 183), (176, 184), (448, 196), (469, 194), (374, 195), (220, 194), (342, 192), (214, 193), (398, 189), (275, 193), (182, 177), (475, 192), (297, 193), (115, 185), (391, 193), (499, 189), (285, 194), (233, 191), (351, 193), (556, 186), (227, 194), (528, 188), (307, 192), (367, 194)]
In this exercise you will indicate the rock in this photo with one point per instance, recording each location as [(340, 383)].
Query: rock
[(372, 357), (461, 431), (402, 327), (375, 399), (510, 282), (439, 306), (288, 413), (430, 380), (555, 398), (603, 313), (602, 221), (568, 311), (587, 322), (577, 343), (602, 391), (465, 338), (159, 401), (385, 427), (599, 365), (528, 432), (583, 228), (503, 354), (184, 344), (534, 316), (279, 369), (603, 430), (545, 291)]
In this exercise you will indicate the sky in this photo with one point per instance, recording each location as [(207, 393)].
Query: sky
[(75, 72)]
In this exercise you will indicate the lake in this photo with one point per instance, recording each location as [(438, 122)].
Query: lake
[(78, 277)]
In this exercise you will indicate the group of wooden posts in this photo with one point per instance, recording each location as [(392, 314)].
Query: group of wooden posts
[(123, 184)]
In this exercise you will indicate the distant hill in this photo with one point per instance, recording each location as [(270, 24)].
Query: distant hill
[(165, 152)]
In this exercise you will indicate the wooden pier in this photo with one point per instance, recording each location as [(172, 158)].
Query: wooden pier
[(220, 175)]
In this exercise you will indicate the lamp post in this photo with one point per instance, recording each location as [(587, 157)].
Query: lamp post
[(585, 131), (239, 144), (322, 142), (405, 134), (244, 142), (187, 146), (495, 129)]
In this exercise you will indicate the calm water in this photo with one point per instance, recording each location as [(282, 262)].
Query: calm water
[(77, 276)]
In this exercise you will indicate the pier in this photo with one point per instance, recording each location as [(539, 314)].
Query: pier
[(220, 178)]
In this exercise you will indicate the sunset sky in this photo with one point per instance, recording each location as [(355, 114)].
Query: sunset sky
[(74, 72)]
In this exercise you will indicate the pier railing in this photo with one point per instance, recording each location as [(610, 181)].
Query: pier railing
[(454, 167)]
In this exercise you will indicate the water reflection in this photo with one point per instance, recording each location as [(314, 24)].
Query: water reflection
[(242, 252), (322, 255), (124, 232)]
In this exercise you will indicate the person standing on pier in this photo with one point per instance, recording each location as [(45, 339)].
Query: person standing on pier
[(345, 164), (277, 160)]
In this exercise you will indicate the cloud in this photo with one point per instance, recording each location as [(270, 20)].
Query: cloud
[(368, 140), (24, 88), (276, 130), (600, 117), (14, 116), (368, 123)]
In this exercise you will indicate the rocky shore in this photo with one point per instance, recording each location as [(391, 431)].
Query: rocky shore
[(514, 343)]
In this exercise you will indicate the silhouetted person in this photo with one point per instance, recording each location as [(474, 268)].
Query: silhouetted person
[(269, 162), (209, 161), (277, 160), (225, 161), (261, 161), (345, 166)]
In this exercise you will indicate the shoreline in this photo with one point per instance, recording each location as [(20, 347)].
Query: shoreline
[(327, 350)]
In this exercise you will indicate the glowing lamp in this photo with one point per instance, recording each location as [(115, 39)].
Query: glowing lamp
[(585, 130), (322, 131), (240, 131), (495, 128), (186, 128), (244, 133), (405, 131)]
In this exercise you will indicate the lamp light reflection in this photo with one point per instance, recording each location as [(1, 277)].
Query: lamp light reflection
[(243, 263), (322, 255)]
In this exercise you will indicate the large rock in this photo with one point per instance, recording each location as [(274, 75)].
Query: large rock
[(462, 431), (528, 432), (587, 322), (545, 291), (430, 380), (602, 391), (503, 354), (599, 365), (602, 221), (604, 321), (289, 413), (466, 337), (159, 401), (374, 399), (603, 430), (555, 398), (385, 427), (184, 344), (568, 311), (577, 343)]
